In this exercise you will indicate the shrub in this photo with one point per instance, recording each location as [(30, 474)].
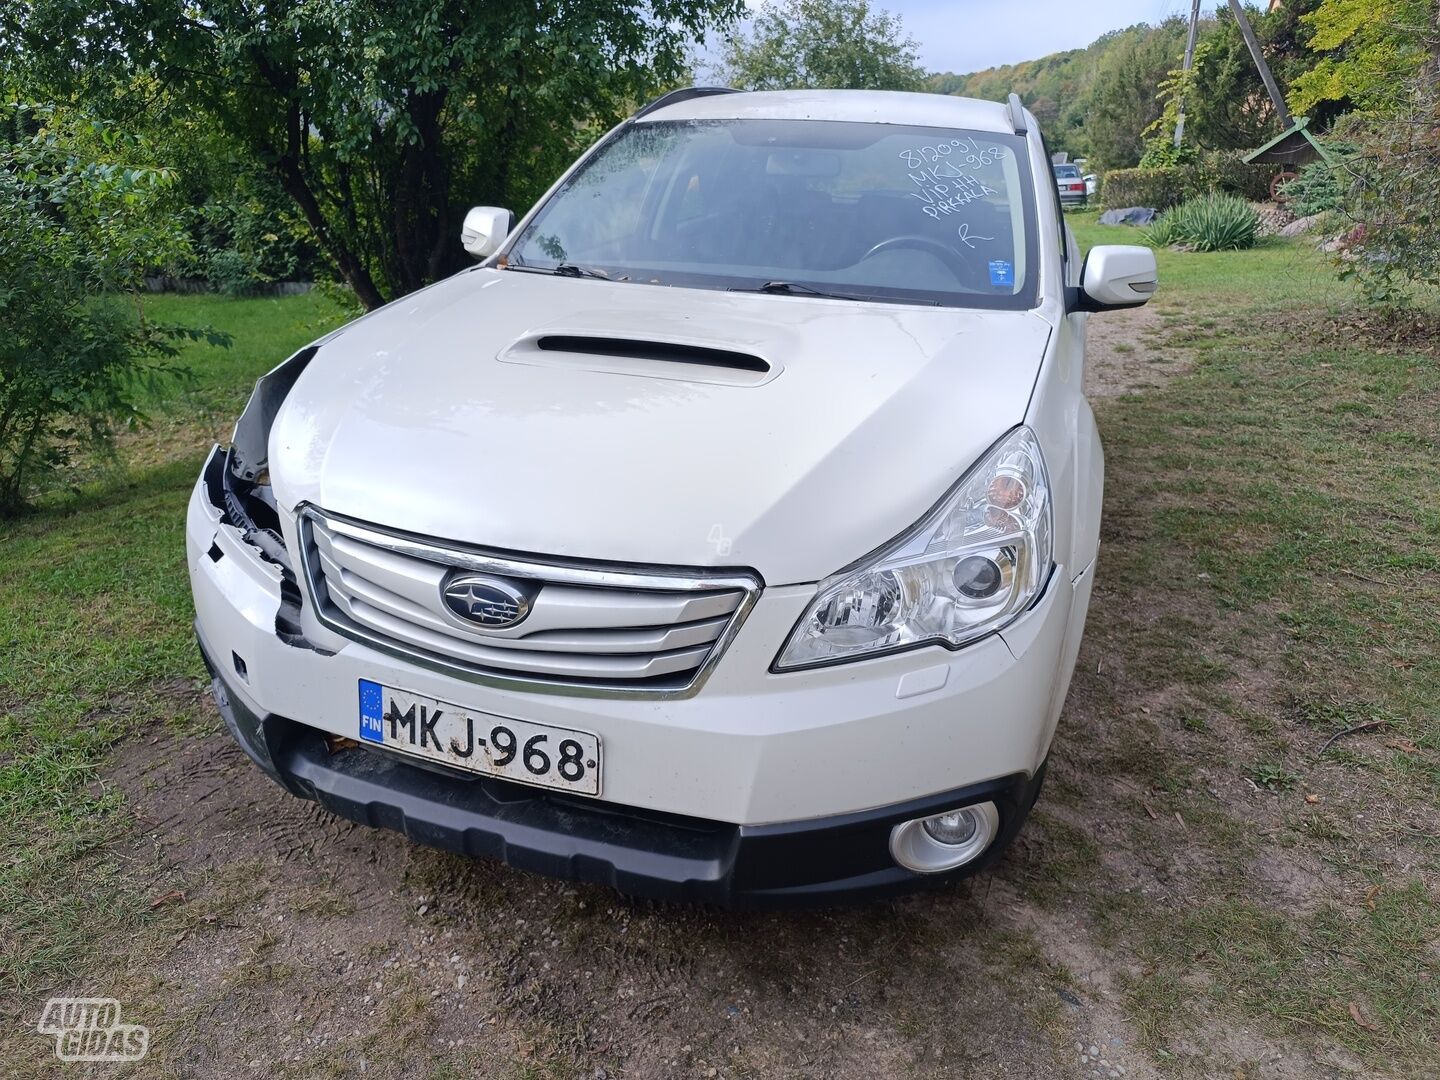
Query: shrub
[(1214, 222), (1171, 185), (1395, 199), (1219, 170), (1161, 153), (76, 230), (1165, 231), (245, 238), (1315, 190), (1159, 188)]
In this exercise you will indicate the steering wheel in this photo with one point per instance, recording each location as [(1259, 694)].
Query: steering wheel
[(953, 260)]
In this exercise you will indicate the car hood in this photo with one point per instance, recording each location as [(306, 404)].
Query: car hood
[(442, 415)]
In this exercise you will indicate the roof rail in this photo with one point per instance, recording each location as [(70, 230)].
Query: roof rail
[(1017, 115), (685, 93)]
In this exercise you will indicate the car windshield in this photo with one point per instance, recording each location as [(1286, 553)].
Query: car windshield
[(1067, 172), (878, 212)]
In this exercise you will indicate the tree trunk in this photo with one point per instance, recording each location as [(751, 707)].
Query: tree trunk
[(355, 273), (289, 166), (419, 218)]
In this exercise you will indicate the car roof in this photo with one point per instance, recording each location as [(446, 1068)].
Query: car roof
[(869, 106)]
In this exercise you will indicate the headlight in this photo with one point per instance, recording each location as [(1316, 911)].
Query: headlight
[(974, 563)]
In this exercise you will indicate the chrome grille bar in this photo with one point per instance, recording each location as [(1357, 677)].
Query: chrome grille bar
[(597, 630)]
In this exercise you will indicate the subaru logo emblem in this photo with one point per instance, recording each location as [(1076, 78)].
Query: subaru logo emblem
[(491, 603)]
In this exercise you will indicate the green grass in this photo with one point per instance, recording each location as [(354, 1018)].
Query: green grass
[(96, 646), (1270, 553), (1304, 973), (1274, 272), (265, 330), (94, 626)]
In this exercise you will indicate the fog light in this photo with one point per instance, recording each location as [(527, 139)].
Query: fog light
[(944, 841)]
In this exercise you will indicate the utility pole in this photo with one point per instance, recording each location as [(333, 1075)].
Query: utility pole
[(1268, 79), (1189, 60)]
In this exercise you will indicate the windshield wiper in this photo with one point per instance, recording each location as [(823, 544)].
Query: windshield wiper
[(794, 288), (564, 269)]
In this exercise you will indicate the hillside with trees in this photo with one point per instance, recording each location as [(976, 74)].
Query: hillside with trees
[(1100, 101)]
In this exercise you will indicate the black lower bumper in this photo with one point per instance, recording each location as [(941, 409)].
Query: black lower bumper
[(636, 851)]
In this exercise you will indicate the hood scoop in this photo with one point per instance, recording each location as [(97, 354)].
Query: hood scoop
[(653, 358)]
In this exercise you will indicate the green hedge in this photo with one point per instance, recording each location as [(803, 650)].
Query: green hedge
[(1169, 186), (1157, 188)]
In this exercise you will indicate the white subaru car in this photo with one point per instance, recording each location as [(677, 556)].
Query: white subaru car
[(726, 533)]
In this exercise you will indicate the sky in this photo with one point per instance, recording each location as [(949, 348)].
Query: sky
[(968, 35)]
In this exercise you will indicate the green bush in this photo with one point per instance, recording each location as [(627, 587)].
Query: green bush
[(1161, 153), (1214, 222), (1315, 190), (1219, 170), (1171, 185), (247, 238), (1159, 188), (76, 231)]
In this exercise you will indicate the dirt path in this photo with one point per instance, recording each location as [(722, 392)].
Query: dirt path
[(326, 944), (1123, 354), (307, 946)]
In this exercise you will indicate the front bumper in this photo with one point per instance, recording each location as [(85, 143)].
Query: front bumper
[(640, 853), (761, 784)]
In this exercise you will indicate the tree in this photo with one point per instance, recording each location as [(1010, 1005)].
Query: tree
[(82, 213), (830, 44), (381, 119), (1226, 104), (1373, 49), (244, 231), (1394, 199), (1124, 101)]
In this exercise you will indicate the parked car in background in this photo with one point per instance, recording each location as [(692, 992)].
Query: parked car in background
[(1070, 183), (1092, 184), (727, 533)]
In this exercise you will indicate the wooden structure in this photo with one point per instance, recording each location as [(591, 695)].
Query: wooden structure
[(1293, 147)]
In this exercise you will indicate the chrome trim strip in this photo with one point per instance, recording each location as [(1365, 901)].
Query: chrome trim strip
[(665, 579), (557, 572)]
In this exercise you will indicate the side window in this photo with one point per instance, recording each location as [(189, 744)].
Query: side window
[(1055, 202)]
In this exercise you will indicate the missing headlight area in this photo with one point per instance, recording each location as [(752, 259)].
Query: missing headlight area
[(249, 451), (239, 486), (249, 508)]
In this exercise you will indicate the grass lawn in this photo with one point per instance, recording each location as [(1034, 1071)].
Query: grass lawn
[(1269, 582), (95, 639), (265, 330), (1272, 519)]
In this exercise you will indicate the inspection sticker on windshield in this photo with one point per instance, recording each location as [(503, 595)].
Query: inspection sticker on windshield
[(518, 750), (1002, 272)]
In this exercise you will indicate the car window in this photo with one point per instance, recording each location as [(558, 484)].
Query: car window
[(1067, 172), (879, 211)]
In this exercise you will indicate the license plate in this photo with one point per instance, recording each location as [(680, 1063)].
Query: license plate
[(518, 750)]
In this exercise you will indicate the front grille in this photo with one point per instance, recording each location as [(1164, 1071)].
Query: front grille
[(590, 628)]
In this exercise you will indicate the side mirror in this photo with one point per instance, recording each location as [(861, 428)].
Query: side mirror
[(484, 229), (1116, 276)]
